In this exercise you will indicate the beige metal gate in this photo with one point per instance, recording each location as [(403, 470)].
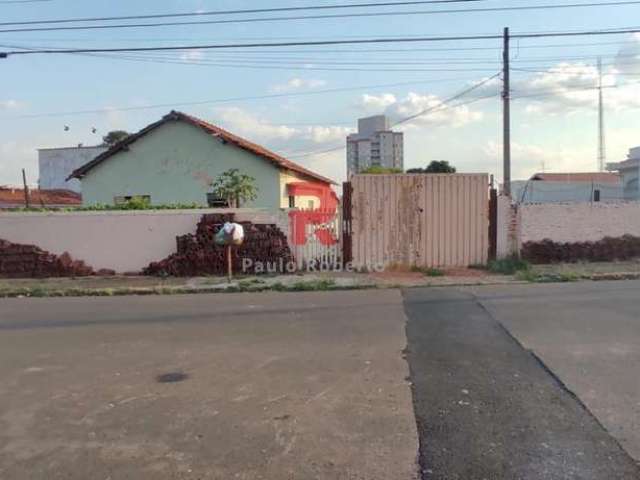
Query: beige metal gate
[(420, 220)]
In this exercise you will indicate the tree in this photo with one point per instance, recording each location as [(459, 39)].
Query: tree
[(237, 188), (378, 170), (113, 137), (436, 166)]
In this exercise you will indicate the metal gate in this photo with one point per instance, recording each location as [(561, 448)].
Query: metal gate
[(419, 220), (316, 239)]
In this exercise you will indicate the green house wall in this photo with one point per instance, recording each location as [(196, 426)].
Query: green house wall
[(176, 163)]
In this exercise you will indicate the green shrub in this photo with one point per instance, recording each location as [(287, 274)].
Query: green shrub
[(135, 204), (508, 266)]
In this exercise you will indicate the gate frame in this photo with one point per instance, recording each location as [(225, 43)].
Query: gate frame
[(347, 226)]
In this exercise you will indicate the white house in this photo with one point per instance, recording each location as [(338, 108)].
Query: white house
[(56, 164), (629, 169), (568, 187)]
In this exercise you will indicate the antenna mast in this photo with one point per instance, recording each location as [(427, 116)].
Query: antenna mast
[(602, 148)]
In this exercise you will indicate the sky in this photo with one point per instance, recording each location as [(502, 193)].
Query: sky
[(314, 95)]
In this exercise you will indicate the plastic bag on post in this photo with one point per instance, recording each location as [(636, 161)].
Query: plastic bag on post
[(238, 234)]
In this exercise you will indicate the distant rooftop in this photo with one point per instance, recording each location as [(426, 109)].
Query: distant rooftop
[(595, 177), (76, 147), (14, 197)]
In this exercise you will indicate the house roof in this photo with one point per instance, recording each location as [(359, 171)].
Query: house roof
[(588, 177), (214, 131), (15, 196)]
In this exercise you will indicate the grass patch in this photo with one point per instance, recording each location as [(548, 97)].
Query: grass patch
[(509, 266), (429, 272), (312, 286), (245, 286), (555, 277), (252, 282)]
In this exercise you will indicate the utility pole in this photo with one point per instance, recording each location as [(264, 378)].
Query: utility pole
[(506, 113), (602, 147), (27, 202)]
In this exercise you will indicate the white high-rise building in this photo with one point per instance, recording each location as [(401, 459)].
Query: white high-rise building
[(375, 144)]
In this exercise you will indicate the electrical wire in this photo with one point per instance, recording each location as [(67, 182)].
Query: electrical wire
[(442, 105), (329, 51), (448, 100), (322, 42), (252, 58), (233, 12), (326, 17), (228, 100)]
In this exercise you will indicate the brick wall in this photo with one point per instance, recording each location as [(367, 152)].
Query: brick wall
[(577, 222)]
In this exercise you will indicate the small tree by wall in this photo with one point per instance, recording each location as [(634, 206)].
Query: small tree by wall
[(113, 137), (378, 170), (436, 166), (237, 188)]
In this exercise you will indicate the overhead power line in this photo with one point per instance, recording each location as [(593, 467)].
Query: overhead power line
[(230, 12), (262, 19), (367, 41), (446, 103), (232, 99), (448, 100)]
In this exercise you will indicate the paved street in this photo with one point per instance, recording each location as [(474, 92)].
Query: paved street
[(588, 334), (278, 386), (523, 382), (486, 408)]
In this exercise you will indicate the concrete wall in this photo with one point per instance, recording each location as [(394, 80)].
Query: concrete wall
[(577, 222), (56, 164), (507, 239), (176, 163), (122, 241)]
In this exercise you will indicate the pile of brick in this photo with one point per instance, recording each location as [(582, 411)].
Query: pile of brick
[(29, 261), (264, 244), (605, 250)]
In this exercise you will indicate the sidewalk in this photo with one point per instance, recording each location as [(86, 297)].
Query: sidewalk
[(142, 285)]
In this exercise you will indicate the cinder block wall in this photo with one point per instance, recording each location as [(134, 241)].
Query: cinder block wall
[(124, 241), (578, 222)]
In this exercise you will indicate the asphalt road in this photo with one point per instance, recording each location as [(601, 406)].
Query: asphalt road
[(486, 408), (588, 334), (270, 386), (509, 382)]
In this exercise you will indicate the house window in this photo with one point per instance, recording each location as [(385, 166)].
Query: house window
[(596, 195), (292, 201), (216, 202), (310, 204), (122, 200)]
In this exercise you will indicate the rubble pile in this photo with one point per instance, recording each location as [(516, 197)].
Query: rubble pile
[(29, 261), (606, 250), (264, 244)]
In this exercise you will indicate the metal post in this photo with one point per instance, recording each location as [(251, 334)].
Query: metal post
[(506, 111), (229, 264), (27, 201)]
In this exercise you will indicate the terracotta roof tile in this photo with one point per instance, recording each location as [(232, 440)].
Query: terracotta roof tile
[(215, 131), (15, 197)]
